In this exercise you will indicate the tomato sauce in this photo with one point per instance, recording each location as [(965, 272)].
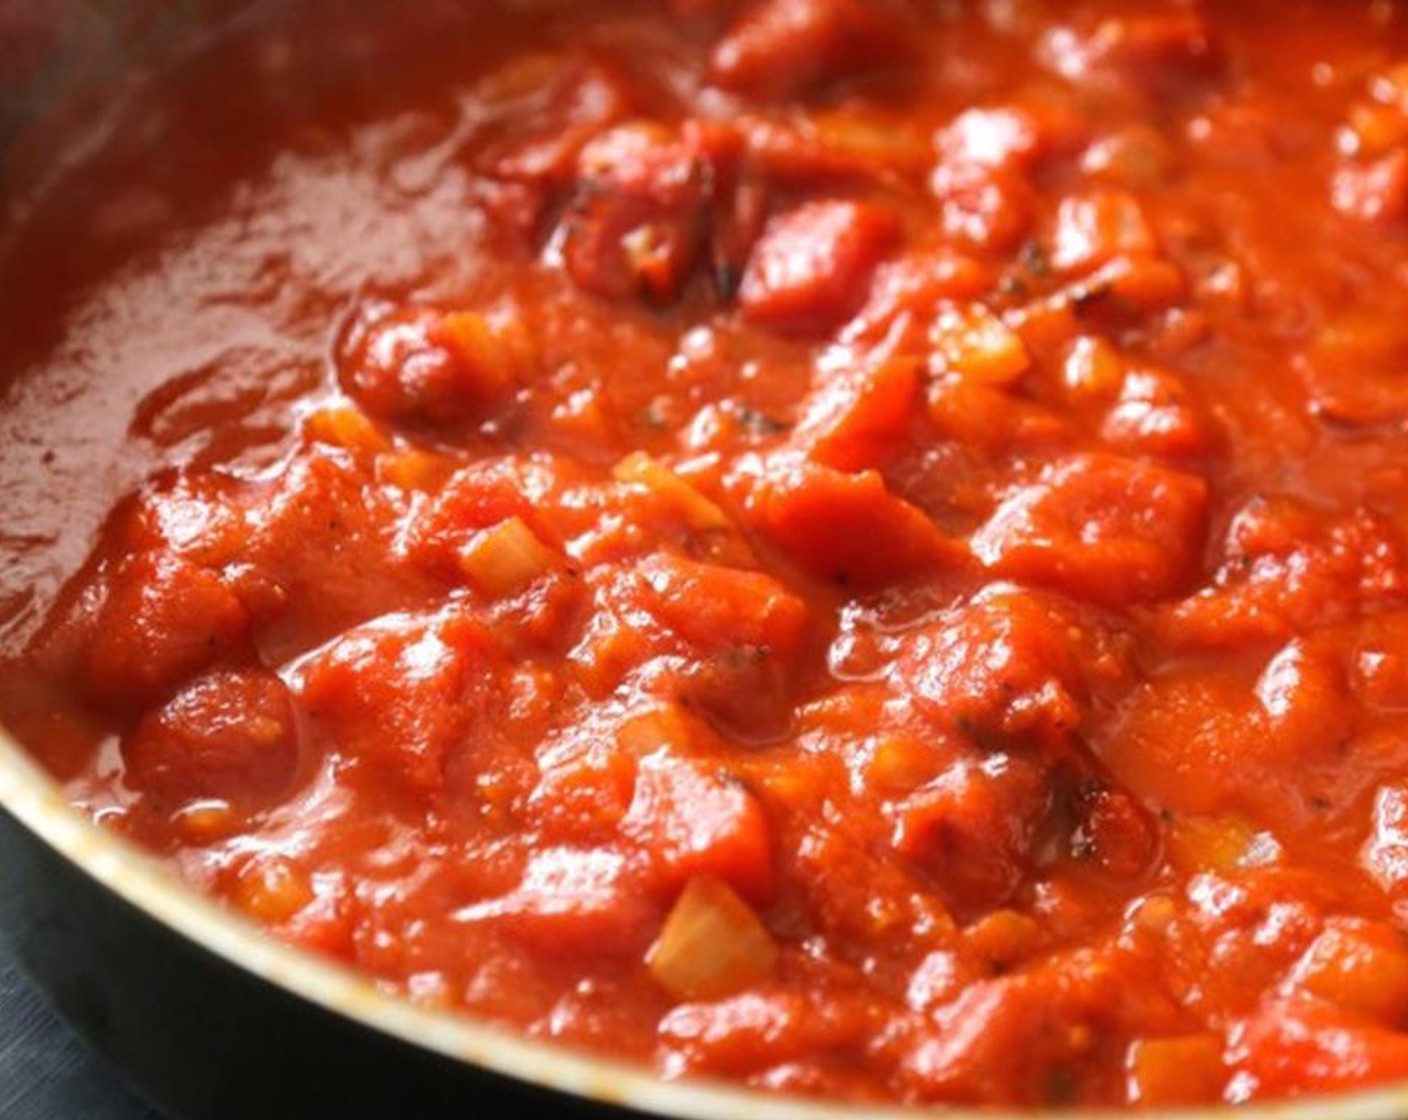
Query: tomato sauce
[(853, 548)]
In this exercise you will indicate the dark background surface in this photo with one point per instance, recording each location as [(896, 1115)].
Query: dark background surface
[(46, 1071)]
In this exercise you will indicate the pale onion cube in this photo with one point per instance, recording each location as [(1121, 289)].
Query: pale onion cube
[(505, 559), (974, 345), (641, 469), (712, 945)]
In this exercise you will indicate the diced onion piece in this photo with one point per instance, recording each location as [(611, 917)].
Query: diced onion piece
[(974, 344), (505, 559), (347, 427), (414, 469), (273, 889), (1381, 124), (1221, 844), (1093, 368), (643, 470), (900, 763), (1166, 1072), (712, 945), (1375, 129), (663, 726), (1003, 938), (203, 822)]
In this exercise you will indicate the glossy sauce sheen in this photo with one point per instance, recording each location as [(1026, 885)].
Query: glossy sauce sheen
[(856, 548)]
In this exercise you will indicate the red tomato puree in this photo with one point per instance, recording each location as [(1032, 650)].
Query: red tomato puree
[(856, 548)]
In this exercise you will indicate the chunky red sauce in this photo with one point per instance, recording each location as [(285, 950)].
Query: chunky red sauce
[(857, 548)]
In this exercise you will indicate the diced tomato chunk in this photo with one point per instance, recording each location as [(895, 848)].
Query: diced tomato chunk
[(422, 365), (1005, 664), (636, 225), (1385, 854), (230, 735), (849, 527), (1354, 367), (739, 633), (716, 608), (858, 410), (989, 208), (813, 264), (1184, 1070), (1016, 1036), (984, 159), (1294, 1047), (1160, 52), (1288, 565), (396, 697), (573, 900), (1359, 966), (971, 829), (163, 619), (843, 879), (782, 47), (992, 1042), (1222, 742), (1157, 413), (1113, 830), (319, 555), (1000, 137), (541, 108), (850, 143), (973, 344), (753, 1031), (1101, 528), (691, 822), (1095, 228), (474, 498)]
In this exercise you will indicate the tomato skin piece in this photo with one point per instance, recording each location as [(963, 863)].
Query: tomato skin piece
[(1102, 528), (812, 265)]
